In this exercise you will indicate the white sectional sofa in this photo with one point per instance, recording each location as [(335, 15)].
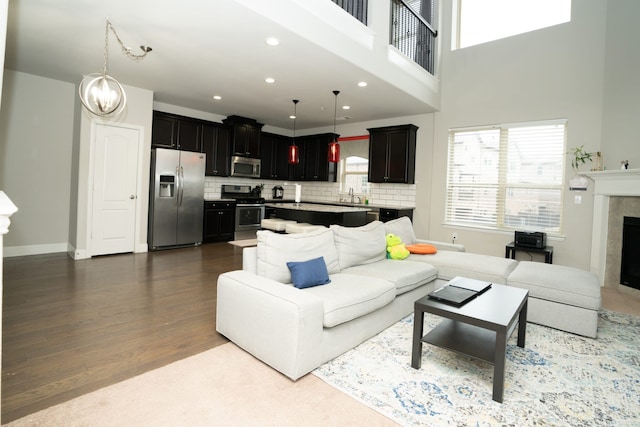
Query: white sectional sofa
[(296, 330)]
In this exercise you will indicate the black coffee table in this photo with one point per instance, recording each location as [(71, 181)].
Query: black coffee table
[(478, 329)]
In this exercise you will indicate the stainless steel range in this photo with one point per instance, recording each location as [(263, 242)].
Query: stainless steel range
[(249, 209)]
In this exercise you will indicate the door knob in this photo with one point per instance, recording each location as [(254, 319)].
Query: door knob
[(132, 197)]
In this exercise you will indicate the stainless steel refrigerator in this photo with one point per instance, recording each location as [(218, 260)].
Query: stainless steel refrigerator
[(176, 202)]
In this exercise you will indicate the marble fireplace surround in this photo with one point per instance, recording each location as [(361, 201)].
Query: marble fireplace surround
[(608, 186)]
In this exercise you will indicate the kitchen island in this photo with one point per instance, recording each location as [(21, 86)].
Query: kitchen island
[(315, 213)]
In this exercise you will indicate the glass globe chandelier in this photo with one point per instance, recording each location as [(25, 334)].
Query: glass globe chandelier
[(100, 93)]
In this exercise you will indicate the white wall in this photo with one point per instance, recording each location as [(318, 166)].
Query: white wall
[(557, 72), (36, 129), (620, 140)]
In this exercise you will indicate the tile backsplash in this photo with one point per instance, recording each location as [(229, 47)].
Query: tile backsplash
[(385, 195)]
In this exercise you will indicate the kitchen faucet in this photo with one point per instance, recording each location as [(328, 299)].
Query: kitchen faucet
[(351, 193)]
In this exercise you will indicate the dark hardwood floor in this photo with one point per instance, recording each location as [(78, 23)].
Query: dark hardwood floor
[(72, 327)]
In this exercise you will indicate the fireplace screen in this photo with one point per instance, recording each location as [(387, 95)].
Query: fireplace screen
[(630, 268)]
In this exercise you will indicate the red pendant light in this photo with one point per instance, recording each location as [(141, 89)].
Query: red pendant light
[(293, 155), (333, 156), (334, 152)]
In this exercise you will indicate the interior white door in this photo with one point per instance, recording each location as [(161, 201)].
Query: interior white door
[(115, 172)]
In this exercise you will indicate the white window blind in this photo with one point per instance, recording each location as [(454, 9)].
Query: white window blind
[(507, 177)]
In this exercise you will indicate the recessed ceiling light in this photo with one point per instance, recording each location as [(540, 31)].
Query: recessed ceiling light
[(270, 80), (272, 41), (362, 84), (217, 97), (292, 116), (346, 107)]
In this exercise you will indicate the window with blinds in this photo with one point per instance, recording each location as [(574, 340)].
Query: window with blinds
[(507, 177)]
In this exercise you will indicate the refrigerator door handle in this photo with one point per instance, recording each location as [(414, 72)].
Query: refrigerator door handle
[(181, 184), (178, 186)]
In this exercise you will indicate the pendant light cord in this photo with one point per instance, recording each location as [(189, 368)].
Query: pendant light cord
[(295, 116), (335, 113)]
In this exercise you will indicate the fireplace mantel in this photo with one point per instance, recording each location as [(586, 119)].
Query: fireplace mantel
[(607, 184), (616, 182)]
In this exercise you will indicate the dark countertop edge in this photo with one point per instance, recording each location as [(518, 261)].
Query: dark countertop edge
[(219, 200), (354, 205)]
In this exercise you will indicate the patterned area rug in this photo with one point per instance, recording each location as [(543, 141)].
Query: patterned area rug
[(558, 379)]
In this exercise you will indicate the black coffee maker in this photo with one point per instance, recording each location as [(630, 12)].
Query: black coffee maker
[(278, 192)]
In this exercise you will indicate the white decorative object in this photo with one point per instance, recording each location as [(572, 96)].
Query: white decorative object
[(298, 192), (578, 183)]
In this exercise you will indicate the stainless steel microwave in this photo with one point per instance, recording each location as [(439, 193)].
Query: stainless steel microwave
[(245, 166)]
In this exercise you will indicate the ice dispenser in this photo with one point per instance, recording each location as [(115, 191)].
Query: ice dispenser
[(167, 184)]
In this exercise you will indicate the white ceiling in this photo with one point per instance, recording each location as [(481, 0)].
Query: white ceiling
[(201, 48)]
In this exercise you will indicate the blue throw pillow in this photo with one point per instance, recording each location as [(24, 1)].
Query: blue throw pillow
[(306, 274)]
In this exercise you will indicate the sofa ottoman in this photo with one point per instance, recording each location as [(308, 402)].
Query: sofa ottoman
[(561, 297)]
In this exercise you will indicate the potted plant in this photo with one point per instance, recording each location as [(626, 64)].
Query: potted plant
[(580, 157)]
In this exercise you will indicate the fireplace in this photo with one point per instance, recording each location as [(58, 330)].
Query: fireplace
[(621, 190), (630, 267)]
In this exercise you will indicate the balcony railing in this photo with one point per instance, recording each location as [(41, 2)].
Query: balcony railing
[(412, 35), (356, 8)]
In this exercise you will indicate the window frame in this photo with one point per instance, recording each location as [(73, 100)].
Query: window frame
[(502, 186), (458, 32), (342, 167)]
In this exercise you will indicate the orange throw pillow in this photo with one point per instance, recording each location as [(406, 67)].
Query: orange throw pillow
[(422, 248)]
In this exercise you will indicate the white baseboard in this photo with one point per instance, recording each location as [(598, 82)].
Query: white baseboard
[(13, 251), (76, 254)]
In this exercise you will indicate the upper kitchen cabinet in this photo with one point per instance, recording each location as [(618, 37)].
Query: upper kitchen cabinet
[(245, 136), (392, 154), (317, 166), (215, 144), (164, 130), (189, 135), (273, 155), (176, 132)]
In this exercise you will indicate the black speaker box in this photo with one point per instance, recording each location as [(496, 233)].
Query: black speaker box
[(526, 239)]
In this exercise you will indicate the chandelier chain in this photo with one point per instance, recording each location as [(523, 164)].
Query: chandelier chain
[(125, 50)]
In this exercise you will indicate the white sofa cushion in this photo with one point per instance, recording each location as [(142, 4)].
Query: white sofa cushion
[(401, 227), (349, 296), (558, 283), (360, 245), (474, 266), (405, 275), (275, 250)]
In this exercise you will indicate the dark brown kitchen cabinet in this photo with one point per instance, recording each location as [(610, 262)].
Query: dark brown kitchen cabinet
[(189, 135), (245, 136), (317, 166), (164, 130), (387, 214), (392, 154), (273, 155), (176, 132), (313, 165), (215, 144), (219, 221)]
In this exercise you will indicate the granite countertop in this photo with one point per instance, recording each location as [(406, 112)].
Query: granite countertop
[(317, 207)]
